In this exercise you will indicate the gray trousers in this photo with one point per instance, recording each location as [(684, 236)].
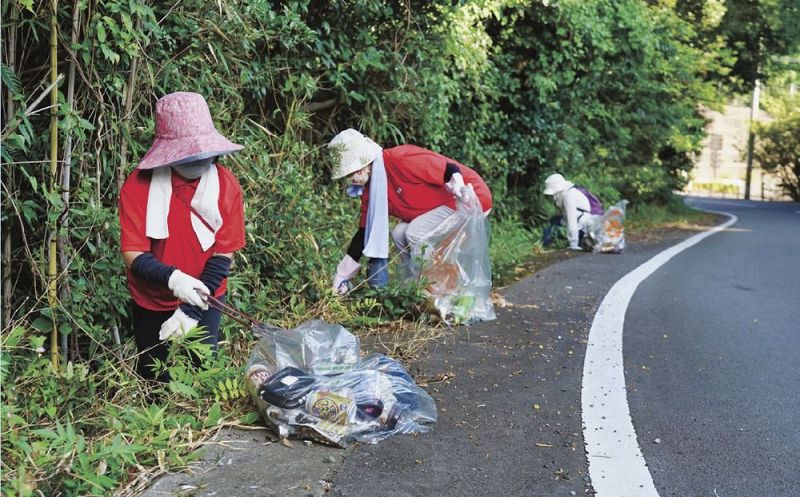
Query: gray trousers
[(407, 236)]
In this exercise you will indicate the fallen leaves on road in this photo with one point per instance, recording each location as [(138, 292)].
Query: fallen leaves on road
[(561, 474), (437, 378), (501, 302)]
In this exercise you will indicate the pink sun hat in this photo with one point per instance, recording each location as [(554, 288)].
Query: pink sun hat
[(184, 132)]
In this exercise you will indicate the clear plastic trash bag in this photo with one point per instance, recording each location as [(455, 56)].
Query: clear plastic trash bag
[(608, 231), (455, 263), (312, 382), (318, 347)]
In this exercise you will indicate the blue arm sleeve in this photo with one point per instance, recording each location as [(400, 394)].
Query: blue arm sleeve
[(216, 269), (450, 170), (150, 269), (356, 248)]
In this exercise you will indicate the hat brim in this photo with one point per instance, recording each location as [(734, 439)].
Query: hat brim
[(562, 187), (169, 152), (349, 169)]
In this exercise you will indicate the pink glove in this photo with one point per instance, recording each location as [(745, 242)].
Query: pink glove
[(346, 269)]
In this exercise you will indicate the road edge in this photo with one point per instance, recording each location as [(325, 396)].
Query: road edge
[(616, 465)]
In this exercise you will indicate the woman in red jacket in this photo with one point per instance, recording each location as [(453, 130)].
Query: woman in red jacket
[(181, 219), (415, 185)]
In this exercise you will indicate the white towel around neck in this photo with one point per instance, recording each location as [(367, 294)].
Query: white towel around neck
[(377, 230), (205, 202)]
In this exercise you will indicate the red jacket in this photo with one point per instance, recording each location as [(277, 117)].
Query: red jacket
[(415, 181), (181, 249)]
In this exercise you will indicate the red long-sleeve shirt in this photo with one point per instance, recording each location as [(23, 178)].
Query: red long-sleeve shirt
[(181, 249), (415, 183)]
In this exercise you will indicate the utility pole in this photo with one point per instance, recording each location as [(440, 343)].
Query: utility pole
[(751, 138)]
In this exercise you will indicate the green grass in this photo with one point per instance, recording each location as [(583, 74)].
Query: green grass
[(516, 248), (512, 245), (675, 214), (92, 427)]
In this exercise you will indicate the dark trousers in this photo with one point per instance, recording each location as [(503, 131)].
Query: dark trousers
[(147, 324), (549, 232)]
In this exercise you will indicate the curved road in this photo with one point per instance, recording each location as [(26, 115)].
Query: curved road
[(712, 359), (711, 343), (712, 365)]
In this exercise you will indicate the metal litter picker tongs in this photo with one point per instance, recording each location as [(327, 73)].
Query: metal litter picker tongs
[(242, 318)]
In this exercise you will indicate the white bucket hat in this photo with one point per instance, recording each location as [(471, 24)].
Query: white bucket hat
[(555, 183), (355, 151)]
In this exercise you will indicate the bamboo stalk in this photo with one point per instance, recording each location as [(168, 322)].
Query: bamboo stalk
[(123, 159), (11, 60), (66, 172), (12, 125), (52, 270)]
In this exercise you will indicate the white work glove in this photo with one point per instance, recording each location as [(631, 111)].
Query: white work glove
[(178, 324), (456, 185), (186, 288), (346, 269)]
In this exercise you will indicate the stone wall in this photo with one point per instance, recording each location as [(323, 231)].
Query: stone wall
[(720, 169)]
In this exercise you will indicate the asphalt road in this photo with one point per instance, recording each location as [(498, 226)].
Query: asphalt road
[(711, 356), (711, 344), (712, 359)]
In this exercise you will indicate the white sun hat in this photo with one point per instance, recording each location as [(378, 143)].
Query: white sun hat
[(555, 183), (355, 151)]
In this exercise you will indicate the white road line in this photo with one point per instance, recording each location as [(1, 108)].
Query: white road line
[(692, 202), (616, 465)]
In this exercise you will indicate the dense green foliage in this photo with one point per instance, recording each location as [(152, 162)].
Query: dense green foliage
[(777, 147), (604, 91), (778, 151), (752, 35)]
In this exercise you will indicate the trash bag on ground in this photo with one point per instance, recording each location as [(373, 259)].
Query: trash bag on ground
[(608, 231), (311, 382), (454, 261)]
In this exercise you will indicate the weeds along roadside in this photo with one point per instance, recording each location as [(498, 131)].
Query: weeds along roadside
[(94, 428), (648, 220)]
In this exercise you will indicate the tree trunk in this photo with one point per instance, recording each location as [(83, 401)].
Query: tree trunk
[(123, 155)]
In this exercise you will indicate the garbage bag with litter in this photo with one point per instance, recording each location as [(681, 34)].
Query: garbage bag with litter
[(312, 382), (608, 231), (455, 263)]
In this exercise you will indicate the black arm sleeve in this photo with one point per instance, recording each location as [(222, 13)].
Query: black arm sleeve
[(150, 269), (450, 170), (356, 248), (216, 269)]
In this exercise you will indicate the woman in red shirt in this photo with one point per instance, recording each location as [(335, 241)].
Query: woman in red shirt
[(181, 219), (415, 185)]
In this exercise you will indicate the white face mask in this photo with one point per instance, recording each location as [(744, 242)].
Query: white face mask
[(360, 178), (193, 170)]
